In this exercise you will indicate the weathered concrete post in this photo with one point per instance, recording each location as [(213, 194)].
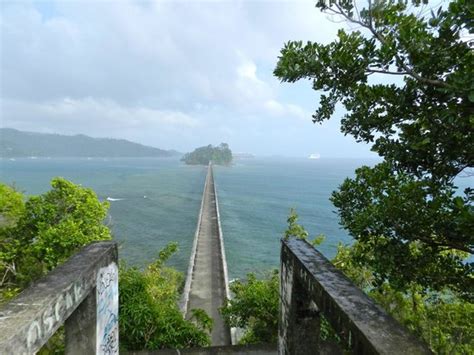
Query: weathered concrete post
[(82, 293), (363, 327), (107, 333), (299, 317), (93, 327)]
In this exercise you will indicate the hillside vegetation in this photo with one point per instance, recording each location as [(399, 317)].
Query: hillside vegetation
[(14, 143), (220, 155), (39, 232)]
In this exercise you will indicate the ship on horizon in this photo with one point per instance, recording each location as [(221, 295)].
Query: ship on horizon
[(314, 156)]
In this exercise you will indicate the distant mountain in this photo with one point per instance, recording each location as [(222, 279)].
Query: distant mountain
[(14, 143)]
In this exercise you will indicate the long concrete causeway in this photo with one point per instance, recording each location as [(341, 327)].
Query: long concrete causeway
[(207, 283)]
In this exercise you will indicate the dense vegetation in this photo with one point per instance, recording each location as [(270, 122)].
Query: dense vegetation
[(411, 225), (441, 319), (40, 232), (37, 233), (220, 155), (407, 85), (254, 308), (15, 143), (149, 314)]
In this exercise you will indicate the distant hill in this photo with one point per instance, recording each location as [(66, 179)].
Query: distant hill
[(14, 143), (220, 155)]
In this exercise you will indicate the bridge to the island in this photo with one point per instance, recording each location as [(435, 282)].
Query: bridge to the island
[(207, 285), (82, 295)]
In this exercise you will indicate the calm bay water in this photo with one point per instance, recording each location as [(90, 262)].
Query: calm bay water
[(157, 201)]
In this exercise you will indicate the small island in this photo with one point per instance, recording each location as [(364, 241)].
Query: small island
[(220, 155)]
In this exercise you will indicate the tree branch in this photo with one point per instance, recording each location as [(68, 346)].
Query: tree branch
[(370, 70), (382, 40)]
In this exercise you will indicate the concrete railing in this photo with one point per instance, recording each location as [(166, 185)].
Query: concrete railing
[(183, 304), (221, 242), (82, 294), (311, 286)]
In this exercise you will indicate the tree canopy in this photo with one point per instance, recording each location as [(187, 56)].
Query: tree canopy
[(44, 231), (405, 78), (220, 155)]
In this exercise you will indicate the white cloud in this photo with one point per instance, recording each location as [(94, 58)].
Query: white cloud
[(278, 109), (102, 113), (201, 70)]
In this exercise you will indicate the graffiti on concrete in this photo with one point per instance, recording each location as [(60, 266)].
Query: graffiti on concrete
[(43, 327), (107, 310)]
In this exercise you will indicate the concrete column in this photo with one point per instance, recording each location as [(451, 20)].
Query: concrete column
[(304, 327), (299, 326), (81, 328), (81, 294), (93, 327)]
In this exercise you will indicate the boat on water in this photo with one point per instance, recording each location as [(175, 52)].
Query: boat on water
[(314, 156)]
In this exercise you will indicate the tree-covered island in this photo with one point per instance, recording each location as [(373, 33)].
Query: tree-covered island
[(220, 155)]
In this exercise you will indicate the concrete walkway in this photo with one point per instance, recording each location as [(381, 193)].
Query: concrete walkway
[(208, 287)]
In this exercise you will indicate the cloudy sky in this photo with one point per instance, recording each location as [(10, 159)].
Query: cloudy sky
[(170, 74)]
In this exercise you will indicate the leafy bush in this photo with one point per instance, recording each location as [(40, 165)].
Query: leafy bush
[(39, 234), (254, 308), (12, 206), (148, 311), (441, 318)]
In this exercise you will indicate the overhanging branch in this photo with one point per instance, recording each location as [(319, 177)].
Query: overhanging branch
[(407, 70)]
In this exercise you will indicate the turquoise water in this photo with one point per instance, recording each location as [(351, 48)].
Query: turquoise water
[(158, 201), (255, 198)]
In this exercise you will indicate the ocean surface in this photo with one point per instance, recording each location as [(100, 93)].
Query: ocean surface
[(154, 201)]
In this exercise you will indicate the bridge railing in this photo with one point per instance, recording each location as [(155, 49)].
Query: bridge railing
[(310, 287), (81, 294)]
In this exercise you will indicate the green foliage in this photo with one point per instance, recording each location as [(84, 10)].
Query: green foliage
[(441, 319), (220, 155), (12, 206), (405, 233), (148, 311), (295, 230), (202, 320), (254, 307), (45, 231), (407, 210), (56, 345)]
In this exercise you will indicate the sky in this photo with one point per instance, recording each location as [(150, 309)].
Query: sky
[(170, 74)]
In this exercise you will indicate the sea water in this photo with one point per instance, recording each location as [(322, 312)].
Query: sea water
[(155, 201)]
